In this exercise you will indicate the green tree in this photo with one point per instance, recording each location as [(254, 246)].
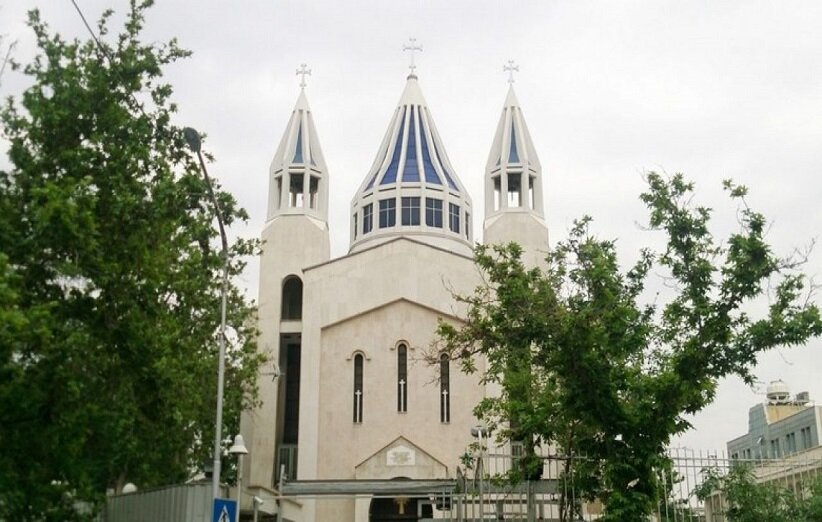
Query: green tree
[(110, 278), (746, 500), (585, 364)]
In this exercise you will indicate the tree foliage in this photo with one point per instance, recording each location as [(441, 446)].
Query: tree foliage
[(744, 499), (109, 281), (586, 363)]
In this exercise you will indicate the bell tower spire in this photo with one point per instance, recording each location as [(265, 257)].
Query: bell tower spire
[(298, 177), (514, 208)]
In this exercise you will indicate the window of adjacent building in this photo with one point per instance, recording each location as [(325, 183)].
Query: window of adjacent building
[(806, 437), (402, 378), (358, 389), (313, 191), (790, 443), (367, 218), (433, 212), (454, 217), (295, 190), (497, 193), (410, 211), (388, 212), (292, 302), (514, 190), (776, 450), (445, 388)]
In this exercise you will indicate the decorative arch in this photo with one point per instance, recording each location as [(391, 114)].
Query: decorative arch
[(292, 302)]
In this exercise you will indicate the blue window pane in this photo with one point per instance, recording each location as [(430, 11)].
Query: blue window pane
[(513, 157), (298, 153), (391, 172), (454, 217), (411, 171), (444, 170), (410, 211), (367, 218), (433, 212), (388, 213), (430, 174)]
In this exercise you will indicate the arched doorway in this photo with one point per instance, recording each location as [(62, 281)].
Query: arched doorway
[(399, 508)]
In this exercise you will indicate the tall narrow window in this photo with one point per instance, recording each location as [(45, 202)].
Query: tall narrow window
[(355, 226), (514, 190), (433, 212), (367, 218), (295, 196), (358, 360), (292, 302), (313, 191), (410, 211), (388, 213), (402, 378), (497, 193), (445, 388), (531, 197), (454, 217)]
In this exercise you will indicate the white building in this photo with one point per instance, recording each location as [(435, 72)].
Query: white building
[(353, 400)]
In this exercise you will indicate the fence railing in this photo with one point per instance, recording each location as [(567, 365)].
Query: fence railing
[(479, 493)]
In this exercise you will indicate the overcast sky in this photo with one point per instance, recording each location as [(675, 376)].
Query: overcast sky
[(610, 89)]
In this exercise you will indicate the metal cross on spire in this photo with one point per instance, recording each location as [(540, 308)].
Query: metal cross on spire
[(303, 72), (510, 67), (412, 46)]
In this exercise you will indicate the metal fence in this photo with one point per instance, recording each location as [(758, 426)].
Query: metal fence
[(478, 492)]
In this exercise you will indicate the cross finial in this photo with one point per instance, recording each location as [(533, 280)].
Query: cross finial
[(303, 71), (510, 67), (412, 46)]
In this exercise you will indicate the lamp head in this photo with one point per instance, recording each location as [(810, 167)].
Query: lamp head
[(192, 138), (239, 446)]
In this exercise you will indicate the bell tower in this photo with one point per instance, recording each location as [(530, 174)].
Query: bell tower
[(514, 207), (295, 236)]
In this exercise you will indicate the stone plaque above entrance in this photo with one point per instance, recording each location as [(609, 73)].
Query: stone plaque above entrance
[(401, 456)]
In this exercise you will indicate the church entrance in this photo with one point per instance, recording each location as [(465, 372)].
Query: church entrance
[(399, 508)]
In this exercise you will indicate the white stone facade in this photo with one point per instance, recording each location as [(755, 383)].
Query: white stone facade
[(347, 389)]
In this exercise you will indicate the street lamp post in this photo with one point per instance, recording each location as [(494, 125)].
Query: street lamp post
[(240, 450), (192, 137), (480, 432)]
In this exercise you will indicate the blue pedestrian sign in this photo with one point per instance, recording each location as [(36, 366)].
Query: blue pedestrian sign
[(225, 510)]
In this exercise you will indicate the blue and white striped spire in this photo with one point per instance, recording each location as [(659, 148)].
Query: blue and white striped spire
[(411, 162)]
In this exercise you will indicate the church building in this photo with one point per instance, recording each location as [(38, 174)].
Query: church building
[(346, 395)]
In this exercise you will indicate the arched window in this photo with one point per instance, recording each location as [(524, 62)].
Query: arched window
[(402, 378), (358, 370), (445, 388), (292, 306)]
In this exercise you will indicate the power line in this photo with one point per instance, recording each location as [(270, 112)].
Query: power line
[(105, 52)]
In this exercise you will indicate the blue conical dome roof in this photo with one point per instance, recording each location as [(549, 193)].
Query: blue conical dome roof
[(412, 168)]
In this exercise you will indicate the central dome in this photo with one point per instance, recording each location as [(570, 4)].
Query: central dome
[(411, 189)]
